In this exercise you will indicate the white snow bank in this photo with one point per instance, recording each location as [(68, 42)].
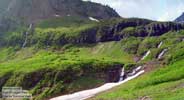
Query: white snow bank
[(82, 95), (93, 19)]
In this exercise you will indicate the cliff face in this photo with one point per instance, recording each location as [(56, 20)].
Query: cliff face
[(34, 10), (137, 28), (101, 32)]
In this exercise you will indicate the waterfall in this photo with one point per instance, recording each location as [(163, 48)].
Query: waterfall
[(122, 74), (27, 33), (10, 5), (160, 44), (162, 53), (146, 54)]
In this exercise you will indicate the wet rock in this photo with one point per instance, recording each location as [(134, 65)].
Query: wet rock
[(113, 74)]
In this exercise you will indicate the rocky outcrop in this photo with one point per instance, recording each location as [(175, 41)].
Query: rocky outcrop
[(113, 74), (136, 28), (60, 80), (4, 79), (112, 30), (159, 28)]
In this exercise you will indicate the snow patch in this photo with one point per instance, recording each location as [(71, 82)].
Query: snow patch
[(57, 15), (82, 95), (93, 19)]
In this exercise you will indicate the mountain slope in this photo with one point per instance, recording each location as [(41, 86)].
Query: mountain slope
[(57, 49), (180, 18), (79, 54), (90, 32), (34, 10)]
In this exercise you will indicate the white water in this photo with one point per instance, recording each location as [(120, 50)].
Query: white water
[(161, 54), (146, 54), (27, 32), (183, 39), (82, 95), (122, 75), (160, 45), (135, 71), (9, 6), (93, 19)]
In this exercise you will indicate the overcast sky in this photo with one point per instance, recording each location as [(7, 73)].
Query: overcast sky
[(162, 10)]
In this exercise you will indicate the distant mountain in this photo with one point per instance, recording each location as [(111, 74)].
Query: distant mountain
[(180, 18), (32, 11)]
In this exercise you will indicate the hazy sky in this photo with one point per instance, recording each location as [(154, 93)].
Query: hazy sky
[(162, 10)]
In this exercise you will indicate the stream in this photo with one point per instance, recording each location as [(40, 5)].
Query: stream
[(145, 55), (162, 54), (124, 77), (27, 33), (160, 44)]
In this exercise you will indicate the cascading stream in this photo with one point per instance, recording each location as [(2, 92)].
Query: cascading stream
[(10, 6), (145, 55), (124, 77), (122, 74), (162, 54), (26, 35), (160, 44), (134, 71)]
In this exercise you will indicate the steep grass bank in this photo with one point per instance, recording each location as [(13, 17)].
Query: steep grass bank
[(59, 59), (48, 72), (161, 84)]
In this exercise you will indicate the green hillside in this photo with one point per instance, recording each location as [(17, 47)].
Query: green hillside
[(164, 82), (68, 54), (52, 48)]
